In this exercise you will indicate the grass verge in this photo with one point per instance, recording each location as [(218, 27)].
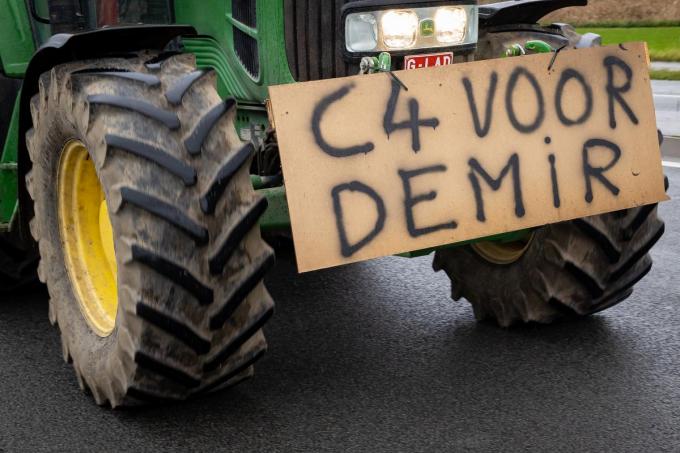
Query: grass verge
[(664, 75), (628, 24), (663, 42)]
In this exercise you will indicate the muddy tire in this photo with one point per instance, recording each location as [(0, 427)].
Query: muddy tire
[(570, 269), (190, 261)]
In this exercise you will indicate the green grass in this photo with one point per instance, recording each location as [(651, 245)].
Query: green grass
[(663, 42), (664, 75), (628, 24)]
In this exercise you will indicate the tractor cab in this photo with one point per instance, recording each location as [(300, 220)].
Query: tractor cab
[(52, 17)]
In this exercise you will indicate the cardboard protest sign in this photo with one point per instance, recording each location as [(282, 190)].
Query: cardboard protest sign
[(376, 165)]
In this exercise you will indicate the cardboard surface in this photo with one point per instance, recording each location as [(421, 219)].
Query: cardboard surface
[(372, 169)]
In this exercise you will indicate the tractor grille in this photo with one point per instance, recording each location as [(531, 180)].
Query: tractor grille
[(244, 12), (313, 39), (245, 48)]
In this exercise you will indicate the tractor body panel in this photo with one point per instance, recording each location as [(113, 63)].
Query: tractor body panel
[(16, 38), (246, 49), (8, 172)]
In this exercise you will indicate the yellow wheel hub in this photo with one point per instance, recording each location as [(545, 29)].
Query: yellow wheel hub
[(87, 238), (503, 252)]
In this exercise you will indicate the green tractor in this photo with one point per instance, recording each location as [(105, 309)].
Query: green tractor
[(140, 178)]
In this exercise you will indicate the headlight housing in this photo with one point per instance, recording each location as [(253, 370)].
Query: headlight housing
[(399, 27)]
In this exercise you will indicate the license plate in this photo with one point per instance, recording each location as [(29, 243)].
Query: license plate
[(427, 61)]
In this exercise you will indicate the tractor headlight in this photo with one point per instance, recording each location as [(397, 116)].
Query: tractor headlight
[(399, 29), (371, 30), (450, 24), (364, 31)]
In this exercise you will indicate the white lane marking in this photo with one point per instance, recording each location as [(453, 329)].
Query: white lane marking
[(672, 164)]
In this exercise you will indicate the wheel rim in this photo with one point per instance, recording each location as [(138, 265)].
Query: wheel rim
[(503, 253), (87, 238)]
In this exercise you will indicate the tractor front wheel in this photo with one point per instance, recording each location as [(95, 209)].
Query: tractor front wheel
[(574, 268), (147, 227)]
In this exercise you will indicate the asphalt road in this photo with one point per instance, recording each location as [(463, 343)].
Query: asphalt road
[(376, 357), (667, 103)]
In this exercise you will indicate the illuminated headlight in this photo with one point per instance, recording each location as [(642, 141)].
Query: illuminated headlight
[(450, 24), (402, 29), (399, 29)]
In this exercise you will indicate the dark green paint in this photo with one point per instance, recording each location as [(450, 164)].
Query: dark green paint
[(219, 54), (277, 216), (16, 38), (8, 172)]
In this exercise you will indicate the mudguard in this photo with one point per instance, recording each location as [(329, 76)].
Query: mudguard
[(521, 11)]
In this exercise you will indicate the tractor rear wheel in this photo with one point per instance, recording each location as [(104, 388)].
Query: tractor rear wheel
[(147, 226), (574, 268)]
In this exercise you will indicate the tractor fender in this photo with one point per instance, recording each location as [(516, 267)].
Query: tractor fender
[(63, 48), (521, 11)]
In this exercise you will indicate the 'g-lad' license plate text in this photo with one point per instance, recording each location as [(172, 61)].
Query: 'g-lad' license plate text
[(428, 61), (382, 164)]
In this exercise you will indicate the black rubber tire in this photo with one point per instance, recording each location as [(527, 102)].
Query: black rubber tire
[(185, 220), (574, 268)]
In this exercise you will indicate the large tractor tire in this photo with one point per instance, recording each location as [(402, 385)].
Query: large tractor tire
[(570, 269), (147, 226)]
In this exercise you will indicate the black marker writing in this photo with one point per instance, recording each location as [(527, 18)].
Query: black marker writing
[(553, 180), (591, 172), (615, 92), (510, 103), (346, 248), (495, 184), (482, 129), (414, 123), (411, 201), (568, 75), (317, 116)]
